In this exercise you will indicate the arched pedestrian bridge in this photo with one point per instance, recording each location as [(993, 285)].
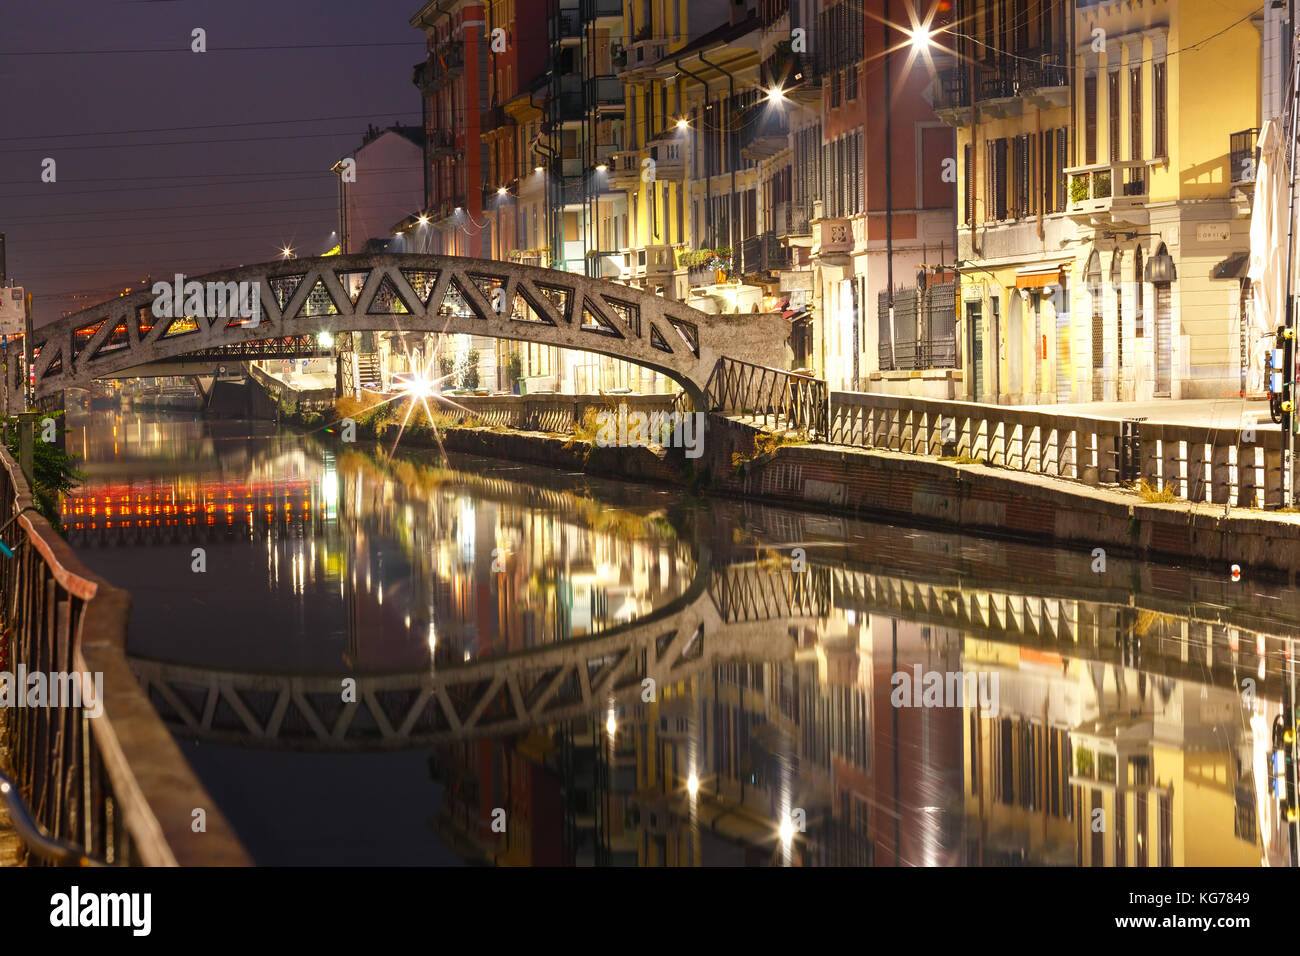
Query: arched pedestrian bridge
[(298, 299)]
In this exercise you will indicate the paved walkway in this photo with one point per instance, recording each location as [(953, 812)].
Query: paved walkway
[(1227, 412)]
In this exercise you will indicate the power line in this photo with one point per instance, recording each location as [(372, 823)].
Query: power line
[(215, 49)]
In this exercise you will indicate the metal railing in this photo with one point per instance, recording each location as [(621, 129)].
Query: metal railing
[(774, 397), (103, 778), (1238, 466), (911, 355)]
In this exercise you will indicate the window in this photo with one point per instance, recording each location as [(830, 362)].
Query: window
[(851, 83), (1160, 146), (969, 209), (1112, 107), (835, 89), (1062, 162), (1135, 112), (1090, 120), (995, 178), (1020, 178)]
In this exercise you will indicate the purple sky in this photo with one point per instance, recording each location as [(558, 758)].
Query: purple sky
[(220, 196)]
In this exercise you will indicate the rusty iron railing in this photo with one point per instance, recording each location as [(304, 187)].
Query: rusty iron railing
[(114, 785), (770, 396)]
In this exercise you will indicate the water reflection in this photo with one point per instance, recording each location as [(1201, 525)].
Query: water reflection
[(626, 678)]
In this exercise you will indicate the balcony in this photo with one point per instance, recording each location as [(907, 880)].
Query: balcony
[(1001, 89), (767, 137), (1107, 194), (649, 264), (640, 56), (625, 169), (669, 155), (790, 219), (1047, 82), (1243, 156), (445, 62), (441, 142), (564, 26), (605, 93), (832, 238), (601, 10), (951, 96), (765, 253)]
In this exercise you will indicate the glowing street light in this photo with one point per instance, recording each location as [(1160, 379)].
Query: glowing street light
[(501, 191), (693, 785), (539, 169), (922, 38), (683, 124), (423, 220), (287, 253), (776, 95), (602, 168)]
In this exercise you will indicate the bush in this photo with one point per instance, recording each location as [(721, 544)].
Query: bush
[(54, 472), (469, 370)]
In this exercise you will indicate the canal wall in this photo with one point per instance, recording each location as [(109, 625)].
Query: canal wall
[(945, 494), (742, 462)]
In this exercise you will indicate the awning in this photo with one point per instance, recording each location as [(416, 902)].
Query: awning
[(1036, 277), (1234, 267)]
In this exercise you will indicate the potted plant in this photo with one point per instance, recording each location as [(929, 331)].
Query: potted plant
[(469, 371), (447, 369), (514, 371)]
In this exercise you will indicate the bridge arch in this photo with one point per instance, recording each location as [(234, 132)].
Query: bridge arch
[(410, 292)]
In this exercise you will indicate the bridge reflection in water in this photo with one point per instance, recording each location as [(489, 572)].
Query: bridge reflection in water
[(504, 624)]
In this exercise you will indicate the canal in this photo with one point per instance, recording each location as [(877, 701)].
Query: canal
[(412, 660)]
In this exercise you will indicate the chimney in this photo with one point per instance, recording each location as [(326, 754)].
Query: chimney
[(3, 273), (739, 11)]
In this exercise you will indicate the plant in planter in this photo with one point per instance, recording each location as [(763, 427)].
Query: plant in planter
[(1078, 189), (514, 371), (469, 370), (447, 369)]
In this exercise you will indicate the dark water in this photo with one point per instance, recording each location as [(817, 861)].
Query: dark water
[(413, 661)]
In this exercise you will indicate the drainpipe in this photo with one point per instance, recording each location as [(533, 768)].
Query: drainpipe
[(738, 255), (708, 172)]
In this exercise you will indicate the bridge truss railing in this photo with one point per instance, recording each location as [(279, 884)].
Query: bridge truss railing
[(103, 776), (771, 397)]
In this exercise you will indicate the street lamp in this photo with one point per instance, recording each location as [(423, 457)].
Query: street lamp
[(776, 95)]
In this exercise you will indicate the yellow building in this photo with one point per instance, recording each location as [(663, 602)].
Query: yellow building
[(1104, 198)]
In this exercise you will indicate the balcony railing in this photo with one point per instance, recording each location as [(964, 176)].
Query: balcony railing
[(441, 142), (832, 237), (1243, 155), (605, 91), (765, 253), (790, 219)]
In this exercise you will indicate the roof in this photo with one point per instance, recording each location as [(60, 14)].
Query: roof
[(413, 134)]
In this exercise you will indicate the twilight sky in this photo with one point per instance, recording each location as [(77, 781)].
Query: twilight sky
[(140, 189)]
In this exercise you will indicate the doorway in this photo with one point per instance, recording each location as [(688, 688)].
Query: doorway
[(975, 323), (1163, 343), (1015, 348)]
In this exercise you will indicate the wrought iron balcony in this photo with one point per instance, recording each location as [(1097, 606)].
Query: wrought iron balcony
[(914, 355), (441, 142)]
